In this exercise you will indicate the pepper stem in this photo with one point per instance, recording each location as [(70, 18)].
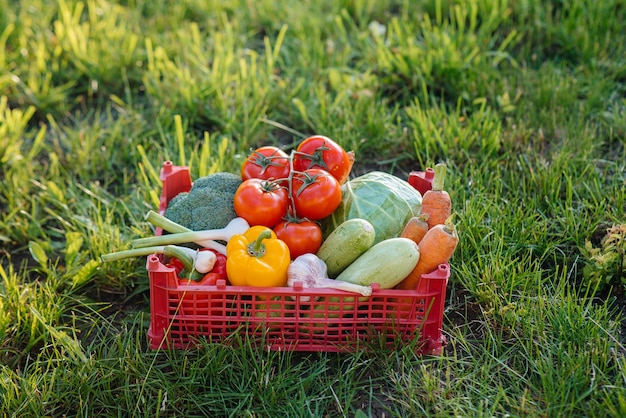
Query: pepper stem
[(257, 248)]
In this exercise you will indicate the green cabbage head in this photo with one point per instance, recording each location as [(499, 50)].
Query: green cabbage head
[(383, 199)]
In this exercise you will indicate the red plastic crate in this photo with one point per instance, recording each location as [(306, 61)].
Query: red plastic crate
[(289, 318)]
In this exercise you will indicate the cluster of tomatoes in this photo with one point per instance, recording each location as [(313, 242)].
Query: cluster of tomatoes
[(291, 192)]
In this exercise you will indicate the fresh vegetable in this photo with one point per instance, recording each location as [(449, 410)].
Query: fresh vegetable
[(435, 248), (310, 270), (218, 272), (436, 202), (266, 163), (322, 152), (315, 193), (386, 263), (257, 258), (168, 225), (382, 199), (204, 261), (234, 227), (345, 244), (301, 236), (208, 204), (422, 180), (196, 263), (261, 202), (416, 228)]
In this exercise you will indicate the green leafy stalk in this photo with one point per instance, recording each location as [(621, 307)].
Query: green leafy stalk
[(135, 252), (204, 238), (440, 177), (181, 253), (164, 223)]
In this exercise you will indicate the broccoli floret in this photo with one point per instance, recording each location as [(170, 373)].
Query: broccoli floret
[(209, 203)]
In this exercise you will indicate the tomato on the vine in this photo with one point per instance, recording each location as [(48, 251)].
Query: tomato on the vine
[(261, 202), (265, 163), (322, 152), (301, 237), (315, 193)]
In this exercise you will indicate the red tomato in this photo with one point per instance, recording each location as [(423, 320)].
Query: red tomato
[(301, 237), (322, 152), (261, 202), (266, 163), (316, 194)]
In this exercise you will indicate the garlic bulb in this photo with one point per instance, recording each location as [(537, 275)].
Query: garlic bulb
[(311, 271)]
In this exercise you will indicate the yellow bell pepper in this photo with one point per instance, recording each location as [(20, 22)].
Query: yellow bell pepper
[(257, 258)]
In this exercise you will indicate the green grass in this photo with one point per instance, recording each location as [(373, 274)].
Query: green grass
[(524, 100)]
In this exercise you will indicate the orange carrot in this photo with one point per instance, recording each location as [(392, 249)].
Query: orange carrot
[(436, 248), (416, 228), (436, 202)]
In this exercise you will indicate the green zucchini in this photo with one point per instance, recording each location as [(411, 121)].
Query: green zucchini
[(345, 244), (386, 263)]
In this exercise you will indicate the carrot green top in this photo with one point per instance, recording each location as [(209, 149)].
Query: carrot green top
[(440, 177)]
